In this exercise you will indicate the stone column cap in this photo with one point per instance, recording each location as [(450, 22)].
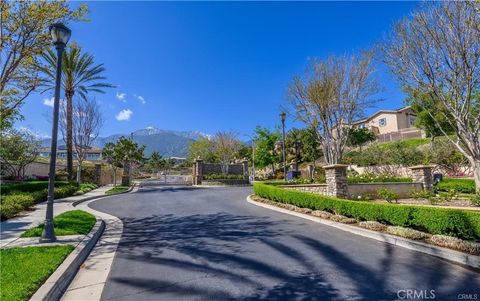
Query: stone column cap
[(335, 166), (421, 166)]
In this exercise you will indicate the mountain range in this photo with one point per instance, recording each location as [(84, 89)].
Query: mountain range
[(168, 143)]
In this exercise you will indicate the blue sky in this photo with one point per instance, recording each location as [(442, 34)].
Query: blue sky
[(212, 66)]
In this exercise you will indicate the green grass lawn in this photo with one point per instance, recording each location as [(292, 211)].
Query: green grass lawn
[(117, 189), (24, 270), (68, 223)]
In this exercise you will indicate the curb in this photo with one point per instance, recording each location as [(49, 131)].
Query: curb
[(74, 204), (444, 253), (59, 281)]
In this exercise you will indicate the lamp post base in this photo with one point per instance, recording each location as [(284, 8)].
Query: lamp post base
[(48, 233)]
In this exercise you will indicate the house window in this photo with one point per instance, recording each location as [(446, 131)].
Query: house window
[(413, 119), (382, 122)]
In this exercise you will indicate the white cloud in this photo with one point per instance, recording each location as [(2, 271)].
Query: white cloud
[(121, 96), (48, 102), (141, 99), (124, 115)]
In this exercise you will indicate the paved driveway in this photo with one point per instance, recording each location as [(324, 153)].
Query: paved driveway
[(209, 244)]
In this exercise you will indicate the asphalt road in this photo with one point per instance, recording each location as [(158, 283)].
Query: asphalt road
[(210, 244)]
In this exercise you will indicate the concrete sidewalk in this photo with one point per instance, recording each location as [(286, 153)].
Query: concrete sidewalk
[(12, 229)]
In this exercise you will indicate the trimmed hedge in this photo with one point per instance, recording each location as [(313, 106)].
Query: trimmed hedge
[(31, 186), (458, 223), (16, 201), (459, 185)]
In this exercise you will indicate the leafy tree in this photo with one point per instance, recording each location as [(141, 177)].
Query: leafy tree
[(244, 152), (360, 136), (430, 117), (203, 149), (80, 74), (123, 153), (19, 148), (435, 52), (109, 154), (265, 154), (445, 155), (23, 38), (311, 148), (156, 162)]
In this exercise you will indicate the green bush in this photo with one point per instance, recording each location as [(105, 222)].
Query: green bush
[(32, 193), (221, 176), (459, 185), (31, 186), (475, 199), (12, 204), (388, 195), (371, 178), (458, 223)]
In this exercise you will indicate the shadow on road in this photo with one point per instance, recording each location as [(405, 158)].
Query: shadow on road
[(213, 245)]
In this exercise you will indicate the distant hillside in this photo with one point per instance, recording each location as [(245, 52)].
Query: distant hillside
[(167, 143)]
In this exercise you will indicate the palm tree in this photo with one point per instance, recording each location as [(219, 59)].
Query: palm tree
[(80, 75)]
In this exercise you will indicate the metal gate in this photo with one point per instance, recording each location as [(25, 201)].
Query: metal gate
[(169, 180)]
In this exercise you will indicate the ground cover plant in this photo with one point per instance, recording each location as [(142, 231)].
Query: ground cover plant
[(24, 270), (68, 223), (459, 185), (117, 189)]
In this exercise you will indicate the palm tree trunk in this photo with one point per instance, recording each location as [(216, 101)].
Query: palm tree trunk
[(69, 130)]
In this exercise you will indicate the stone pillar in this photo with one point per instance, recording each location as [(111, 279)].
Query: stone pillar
[(98, 174), (245, 169), (423, 174), (336, 176), (198, 165)]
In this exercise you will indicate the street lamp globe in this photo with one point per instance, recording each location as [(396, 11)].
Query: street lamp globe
[(283, 116), (60, 34)]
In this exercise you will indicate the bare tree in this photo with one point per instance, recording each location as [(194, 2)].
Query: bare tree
[(436, 52), (87, 122), (226, 146), (331, 96)]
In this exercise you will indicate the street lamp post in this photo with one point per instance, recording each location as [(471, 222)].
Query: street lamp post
[(283, 116), (60, 35)]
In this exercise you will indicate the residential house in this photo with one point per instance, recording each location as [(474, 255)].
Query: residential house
[(391, 125)]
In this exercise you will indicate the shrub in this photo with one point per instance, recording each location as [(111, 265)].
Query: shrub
[(300, 181), (421, 194), (322, 214), (372, 225), (475, 199), (387, 195), (452, 222), (221, 176), (372, 178), (14, 203), (406, 232), (343, 219), (456, 244), (459, 185), (31, 186)]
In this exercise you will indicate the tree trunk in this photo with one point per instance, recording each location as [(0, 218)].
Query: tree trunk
[(79, 173), (476, 172), (69, 132), (114, 177)]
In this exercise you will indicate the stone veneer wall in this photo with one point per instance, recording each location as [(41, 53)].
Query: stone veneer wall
[(212, 168), (370, 189), (312, 188)]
